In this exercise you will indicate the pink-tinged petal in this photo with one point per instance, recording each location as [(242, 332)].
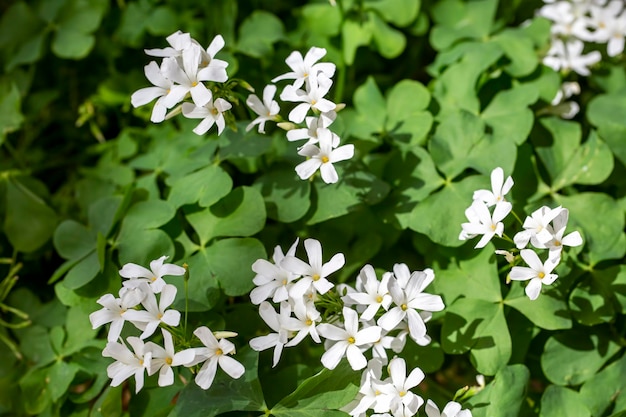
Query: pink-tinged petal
[(233, 368), (533, 289), (205, 377), (522, 273), (332, 357), (307, 168), (355, 357), (131, 270), (146, 95), (329, 173), (391, 318)]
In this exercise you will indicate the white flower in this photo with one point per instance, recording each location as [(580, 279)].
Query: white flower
[(398, 385), (267, 109), (369, 397), (558, 240), (303, 68), (499, 188), (452, 409), (155, 314), (212, 69), (272, 280), (277, 323), (215, 353), (126, 362), (347, 341), (153, 276), (313, 97), (306, 319), (323, 158), (314, 273), (374, 295), (481, 222), (168, 93), (408, 300), (185, 72), (212, 112), (538, 273), (568, 56), (537, 228), (164, 358), (114, 310), (310, 132), (178, 41)]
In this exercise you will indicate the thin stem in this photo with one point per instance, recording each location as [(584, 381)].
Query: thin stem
[(186, 280)]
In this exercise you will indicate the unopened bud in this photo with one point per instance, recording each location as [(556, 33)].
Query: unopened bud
[(246, 85), (286, 125), (224, 334), (340, 106)]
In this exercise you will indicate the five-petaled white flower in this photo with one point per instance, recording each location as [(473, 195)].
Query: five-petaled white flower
[(482, 222), (153, 276), (304, 68), (213, 354), (452, 409), (537, 272), (127, 363), (164, 358), (154, 314), (266, 110), (212, 112), (499, 188), (322, 158), (348, 341), (114, 310), (272, 280)]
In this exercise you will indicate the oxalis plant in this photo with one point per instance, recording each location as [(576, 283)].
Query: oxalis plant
[(350, 208)]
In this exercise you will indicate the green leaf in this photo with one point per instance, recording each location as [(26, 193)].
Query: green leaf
[(508, 114), (549, 311), (606, 112), (72, 44), (60, 376), (354, 190), (572, 357), (399, 12), (205, 187), (141, 246), (520, 49), (390, 42), (72, 240), (83, 272), (413, 177), (322, 19), (480, 327), (441, 214), (240, 213), (11, 117), (457, 134), (562, 402), (601, 221), (258, 33), (29, 222), (82, 16), (354, 34), (592, 301), (473, 274), (287, 199), (371, 110), (242, 144), (605, 388), (321, 394), (162, 21), (406, 102), (148, 215), (34, 387), (456, 20), (508, 391)]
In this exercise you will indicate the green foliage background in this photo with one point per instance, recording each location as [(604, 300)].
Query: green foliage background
[(438, 93)]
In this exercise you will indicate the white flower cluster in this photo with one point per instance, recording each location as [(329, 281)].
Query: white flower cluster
[(185, 67), (141, 288), (376, 315), (312, 81), (575, 22), (543, 229)]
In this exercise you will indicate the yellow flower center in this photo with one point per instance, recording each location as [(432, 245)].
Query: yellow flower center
[(379, 299), (316, 277), (351, 340), (195, 83), (168, 361), (219, 352), (325, 159), (541, 275), (404, 307), (214, 111), (309, 322)]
